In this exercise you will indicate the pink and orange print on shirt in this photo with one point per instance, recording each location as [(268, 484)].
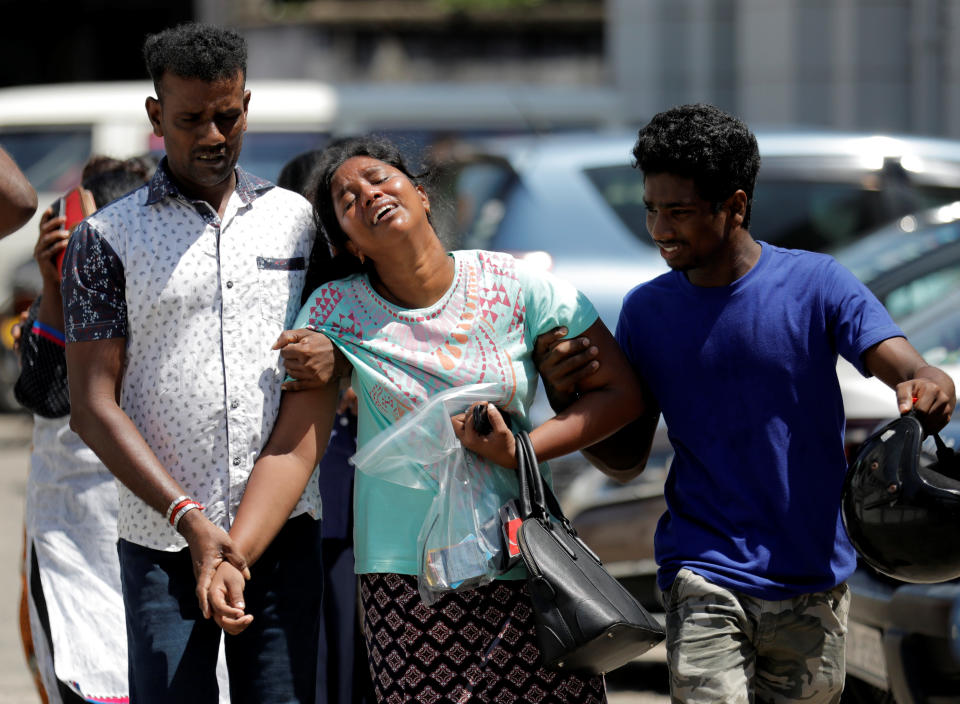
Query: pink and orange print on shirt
[(473, 334)]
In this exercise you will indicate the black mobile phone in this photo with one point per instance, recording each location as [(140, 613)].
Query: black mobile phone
[(57, 207), (481, 422)]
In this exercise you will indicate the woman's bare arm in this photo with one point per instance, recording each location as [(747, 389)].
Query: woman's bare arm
[(283, 469)]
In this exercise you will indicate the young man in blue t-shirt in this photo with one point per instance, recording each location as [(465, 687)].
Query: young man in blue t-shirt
[(738, 345)]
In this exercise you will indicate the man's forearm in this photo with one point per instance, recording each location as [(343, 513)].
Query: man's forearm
[(110, 433)]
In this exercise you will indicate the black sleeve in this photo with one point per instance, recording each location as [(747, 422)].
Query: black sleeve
[(93, 288), (42, 385)]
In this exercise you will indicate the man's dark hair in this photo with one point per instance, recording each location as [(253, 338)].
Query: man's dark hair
[(703, 143), (195, 50)]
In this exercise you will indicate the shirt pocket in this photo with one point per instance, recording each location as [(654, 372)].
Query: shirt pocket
[(279, 281)]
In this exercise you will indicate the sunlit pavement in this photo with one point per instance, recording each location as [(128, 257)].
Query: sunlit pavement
[(643, 682), (16, 685)]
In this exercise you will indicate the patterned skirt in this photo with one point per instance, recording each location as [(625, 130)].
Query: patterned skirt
[(478, 645)]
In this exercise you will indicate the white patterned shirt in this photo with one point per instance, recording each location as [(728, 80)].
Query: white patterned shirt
[(200, 302)]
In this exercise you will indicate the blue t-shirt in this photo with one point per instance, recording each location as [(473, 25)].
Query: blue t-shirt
[(746, 378)]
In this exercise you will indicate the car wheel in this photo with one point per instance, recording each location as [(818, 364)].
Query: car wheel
[(859, 692)]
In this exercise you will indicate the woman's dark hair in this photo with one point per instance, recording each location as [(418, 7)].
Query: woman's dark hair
[(330, 259), (297, 173), (195, 50), (703, 143), (108, 179)]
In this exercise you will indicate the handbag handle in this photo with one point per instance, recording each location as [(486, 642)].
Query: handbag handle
[(536, 498), (531, 483), (523, 477)]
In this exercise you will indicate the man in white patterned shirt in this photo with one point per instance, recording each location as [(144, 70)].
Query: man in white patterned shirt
[(174, 296)]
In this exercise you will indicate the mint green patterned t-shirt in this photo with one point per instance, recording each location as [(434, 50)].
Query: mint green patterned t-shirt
[(482, 330)]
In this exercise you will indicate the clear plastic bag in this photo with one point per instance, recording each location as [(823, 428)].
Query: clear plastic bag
[(460, 545)]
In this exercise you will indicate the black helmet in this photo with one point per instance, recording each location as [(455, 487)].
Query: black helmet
[(901, 504)]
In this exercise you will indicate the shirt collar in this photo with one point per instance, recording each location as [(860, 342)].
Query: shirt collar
[(248, 187)]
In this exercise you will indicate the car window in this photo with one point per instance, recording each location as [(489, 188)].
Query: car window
[(621, 187), (922, 291), (935, 331), (52, 159), (814, 215), (474, 195)]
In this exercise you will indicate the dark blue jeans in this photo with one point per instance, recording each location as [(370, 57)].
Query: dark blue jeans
[(172, 649)]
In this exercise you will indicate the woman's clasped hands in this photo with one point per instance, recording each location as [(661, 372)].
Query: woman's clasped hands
[(225, 596)]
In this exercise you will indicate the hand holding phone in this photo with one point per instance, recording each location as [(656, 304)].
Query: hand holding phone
[(56, 208), (75, 205)]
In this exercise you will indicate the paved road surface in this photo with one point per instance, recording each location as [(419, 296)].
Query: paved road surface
[(640, 683), (15, 683)]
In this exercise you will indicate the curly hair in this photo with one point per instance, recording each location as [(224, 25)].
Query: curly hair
[(703, 143), (333, 261), (194, 50)]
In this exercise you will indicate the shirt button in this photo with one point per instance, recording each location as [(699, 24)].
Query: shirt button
[(229, 284), (236, 461), (234, 403)]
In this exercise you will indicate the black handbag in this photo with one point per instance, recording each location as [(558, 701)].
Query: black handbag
[(585, 619)]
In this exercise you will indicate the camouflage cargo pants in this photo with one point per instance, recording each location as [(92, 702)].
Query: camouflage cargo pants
[(724, 646)]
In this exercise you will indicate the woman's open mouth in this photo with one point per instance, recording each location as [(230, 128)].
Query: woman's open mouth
[(383, 212)]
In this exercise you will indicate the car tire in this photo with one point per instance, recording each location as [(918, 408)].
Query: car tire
[(859, 692)]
